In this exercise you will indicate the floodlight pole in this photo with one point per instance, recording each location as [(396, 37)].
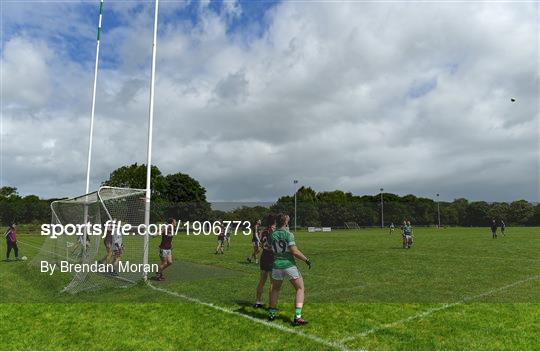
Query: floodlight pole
[(150, 126), (438, 212), (382, 209), (92, 114), (295, 192)]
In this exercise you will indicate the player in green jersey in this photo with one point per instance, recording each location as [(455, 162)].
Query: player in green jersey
[(285, 250)]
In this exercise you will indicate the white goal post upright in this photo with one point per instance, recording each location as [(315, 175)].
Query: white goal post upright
[(92, 114), (150, 126)]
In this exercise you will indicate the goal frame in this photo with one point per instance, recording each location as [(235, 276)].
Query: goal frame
[(98, 198)]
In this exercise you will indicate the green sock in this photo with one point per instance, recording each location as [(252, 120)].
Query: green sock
[(298, 312), (272, 312)]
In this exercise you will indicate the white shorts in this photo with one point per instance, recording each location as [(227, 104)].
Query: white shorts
[(165, 252), (291, 273), (117, 248), (408, 238)]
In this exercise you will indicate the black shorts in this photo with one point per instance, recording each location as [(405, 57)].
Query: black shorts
[(267, 260)]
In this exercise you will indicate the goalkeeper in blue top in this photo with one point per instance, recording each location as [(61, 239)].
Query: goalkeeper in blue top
[(285, 250)]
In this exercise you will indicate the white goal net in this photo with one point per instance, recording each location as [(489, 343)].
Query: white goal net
[(108, 208), (351, 225)]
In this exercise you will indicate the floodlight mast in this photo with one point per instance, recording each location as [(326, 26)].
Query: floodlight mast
[(150, 126), (295, 193), (438, 213), (92, 114), (382, 209)]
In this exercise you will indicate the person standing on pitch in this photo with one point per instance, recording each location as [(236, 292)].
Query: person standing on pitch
[(165, 248), (392, 228), (410, 234), (220, 239), (493, 229), (11, 241), (285, 250), (255, 242), (402, 228), (267, 257), (503, 227)]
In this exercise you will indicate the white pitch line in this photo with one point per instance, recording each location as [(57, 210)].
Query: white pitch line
[(333, 344), (434, 310)]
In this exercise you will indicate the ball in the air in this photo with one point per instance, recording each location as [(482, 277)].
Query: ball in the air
[(513, 100)]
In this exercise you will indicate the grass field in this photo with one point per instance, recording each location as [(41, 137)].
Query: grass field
[(455, 289)]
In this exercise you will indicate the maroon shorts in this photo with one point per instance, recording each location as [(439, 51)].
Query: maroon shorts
[(267, 260)]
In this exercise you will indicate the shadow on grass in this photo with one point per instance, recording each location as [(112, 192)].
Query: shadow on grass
[(246, 263), (247, 308)]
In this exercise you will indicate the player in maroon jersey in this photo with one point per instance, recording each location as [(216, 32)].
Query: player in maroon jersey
[(165, 248), (11, 241), (267, 257), (255, 242)]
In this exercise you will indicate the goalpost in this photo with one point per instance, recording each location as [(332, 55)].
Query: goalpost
[(124, 206), (130, 206), (351, 225)]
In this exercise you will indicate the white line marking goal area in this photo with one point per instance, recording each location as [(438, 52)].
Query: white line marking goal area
[(445, 306)]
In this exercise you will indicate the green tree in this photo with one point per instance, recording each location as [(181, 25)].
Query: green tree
[(500, 211), (8, 192), (520, 211), (460, 206), (134, 176), (478, 214), (180, 187), (177, 195), (449, 214), (535, 217)]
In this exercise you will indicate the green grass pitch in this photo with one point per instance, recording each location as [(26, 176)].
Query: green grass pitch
[(455, 289)]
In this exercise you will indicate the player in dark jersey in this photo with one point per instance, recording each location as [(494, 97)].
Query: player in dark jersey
[(267, 257), (11, 241), (165, 248), (493, 229), (255, 242)]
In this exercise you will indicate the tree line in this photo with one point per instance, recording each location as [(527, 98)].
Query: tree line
[(181, 196), (337, 207)]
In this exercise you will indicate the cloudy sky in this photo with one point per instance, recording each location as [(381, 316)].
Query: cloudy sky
[(410, 96)]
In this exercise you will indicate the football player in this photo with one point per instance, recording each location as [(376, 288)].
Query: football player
[(220, 240), (267, 257), (165, 248), (255, 242), (285, 250)]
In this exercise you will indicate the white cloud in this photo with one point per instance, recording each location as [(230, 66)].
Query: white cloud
[(25, 73), (412, 97)]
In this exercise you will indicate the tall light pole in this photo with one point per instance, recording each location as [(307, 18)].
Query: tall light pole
[(382, 209), (295, 192), (438, 212)]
